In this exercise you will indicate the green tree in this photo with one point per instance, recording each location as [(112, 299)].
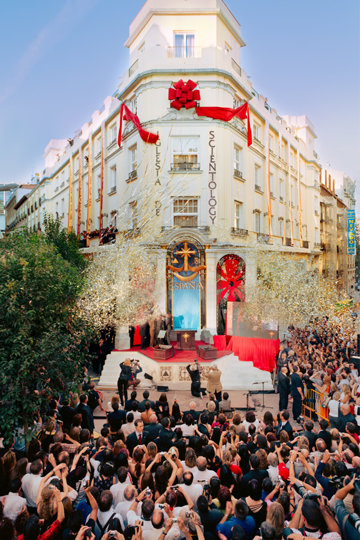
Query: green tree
[(42, 340), (66, 243)]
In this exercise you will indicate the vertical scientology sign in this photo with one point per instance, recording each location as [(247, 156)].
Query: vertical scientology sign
[(212, 175), (351, 231)]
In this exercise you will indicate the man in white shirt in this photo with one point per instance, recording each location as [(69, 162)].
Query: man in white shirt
[(202, 474), (191, 488), (124, 506), (118, 489), (13, 503), (106, 513), (152, 518), (31, 483)]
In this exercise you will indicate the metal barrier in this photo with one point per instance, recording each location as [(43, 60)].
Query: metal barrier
[(312, 408)]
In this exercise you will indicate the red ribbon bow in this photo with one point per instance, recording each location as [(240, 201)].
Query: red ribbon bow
[(183, 95), (126, 114)]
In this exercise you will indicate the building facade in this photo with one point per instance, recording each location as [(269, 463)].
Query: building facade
[(209, 197)]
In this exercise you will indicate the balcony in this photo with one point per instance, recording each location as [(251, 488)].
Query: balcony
[(239, 232), (305, 244), (132, 176), (288, 242), (262, 238), (184, 52), (281, 198), (238, 174), (179, 167), (199, 228), (259, 189), (112, 190), (317, 245)]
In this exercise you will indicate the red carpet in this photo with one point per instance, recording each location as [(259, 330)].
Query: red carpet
[(180, 356)]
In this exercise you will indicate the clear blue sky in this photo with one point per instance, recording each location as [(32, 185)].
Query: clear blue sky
[(60, 59)]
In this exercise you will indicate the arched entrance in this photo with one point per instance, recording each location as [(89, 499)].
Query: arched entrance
[(185, 273), (230, 286)]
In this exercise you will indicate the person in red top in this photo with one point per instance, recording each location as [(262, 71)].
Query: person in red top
[(32, 527)]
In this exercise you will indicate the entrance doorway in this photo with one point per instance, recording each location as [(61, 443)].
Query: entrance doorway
[(230, 286)]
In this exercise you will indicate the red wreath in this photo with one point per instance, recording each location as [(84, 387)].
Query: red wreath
[(183, 95), (232, 281)]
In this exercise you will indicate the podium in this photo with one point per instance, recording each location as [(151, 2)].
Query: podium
[(186, 340)]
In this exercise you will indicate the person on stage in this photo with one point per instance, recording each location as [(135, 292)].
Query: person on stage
[(297, 392), (214, 385), (195, 375), (123, 380), (131, 335), (284, 388)]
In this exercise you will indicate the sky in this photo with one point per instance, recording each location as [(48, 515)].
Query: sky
[(60, 59)]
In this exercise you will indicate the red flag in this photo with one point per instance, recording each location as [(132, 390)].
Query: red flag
[(130, 116), (226, 114)]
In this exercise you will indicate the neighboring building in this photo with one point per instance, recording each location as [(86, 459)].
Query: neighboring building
[(336, 197), (6, 191), (211, 198), (16, 210)]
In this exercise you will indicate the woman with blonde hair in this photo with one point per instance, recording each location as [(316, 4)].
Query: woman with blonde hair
[(262, 455), (276, 518)]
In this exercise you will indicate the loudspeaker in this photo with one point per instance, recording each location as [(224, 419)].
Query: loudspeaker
[(147, 376), (162, 388)]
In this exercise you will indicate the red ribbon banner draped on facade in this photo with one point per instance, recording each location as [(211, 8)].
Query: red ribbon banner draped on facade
[(226, 114), (126, 114)]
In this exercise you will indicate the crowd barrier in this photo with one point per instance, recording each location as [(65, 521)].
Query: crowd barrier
[(312, 406)]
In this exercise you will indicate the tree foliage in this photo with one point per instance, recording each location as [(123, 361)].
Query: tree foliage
[(42, 339)]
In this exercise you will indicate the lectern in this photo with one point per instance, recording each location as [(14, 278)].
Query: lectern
[(186, 340)]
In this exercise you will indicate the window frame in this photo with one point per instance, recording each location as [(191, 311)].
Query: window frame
[(179, 214)]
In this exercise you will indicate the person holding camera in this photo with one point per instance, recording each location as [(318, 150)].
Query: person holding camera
[(349, 523)]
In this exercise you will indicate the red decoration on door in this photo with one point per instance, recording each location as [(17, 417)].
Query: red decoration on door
[(232, 276), (183, 94)]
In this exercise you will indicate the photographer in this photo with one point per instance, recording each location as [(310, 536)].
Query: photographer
[(349, 523)]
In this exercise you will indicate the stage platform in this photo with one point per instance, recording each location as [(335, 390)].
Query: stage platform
[(236, 375)]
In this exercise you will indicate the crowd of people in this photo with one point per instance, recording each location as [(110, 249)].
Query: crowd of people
[(157, 472)]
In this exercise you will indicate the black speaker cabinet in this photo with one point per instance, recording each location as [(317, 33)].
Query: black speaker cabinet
[(162, 388)]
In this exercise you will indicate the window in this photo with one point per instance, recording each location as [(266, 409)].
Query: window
[(238, 155), (185, 212), (256, 131), (133, 214), (62, 207), (133, 158), (76, 164), (57, 209), (317, 236), (184, 45), (98, 185), (257, 217), (185, 154), (271, 143), (273, 224), (272, 184), (112, 185), (97, 146), (281, 227), (238, 215), (258, 178), (281, 189), (113, 132), (293, 194)]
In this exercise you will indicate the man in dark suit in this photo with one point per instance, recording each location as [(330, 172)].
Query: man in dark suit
[(67, 414), (284, 388), (146, 398), (324, 434), (297, 392), (195, 376), (131, 335), (145, 335), (116, 418), (192, 412), (136, 438), (86, 413), (152, 430), (129, 402), (166, 437), (309, 434), (284, 425), (253, 474)]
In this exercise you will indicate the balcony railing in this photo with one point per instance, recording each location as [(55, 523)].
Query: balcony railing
[(132, 176), (263, 238), (184, 52), (288, 242), (258, 188), (238, 174), (185, 167), (239, 232), (305, 244)]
